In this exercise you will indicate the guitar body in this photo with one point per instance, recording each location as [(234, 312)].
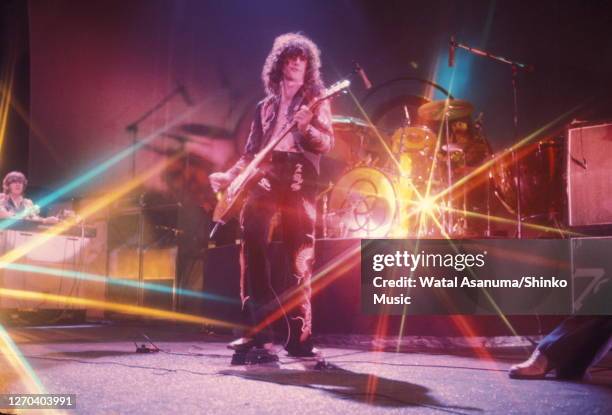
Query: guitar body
[(231, 199)]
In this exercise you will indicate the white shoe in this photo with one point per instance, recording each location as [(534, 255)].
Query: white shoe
[(536, 367)]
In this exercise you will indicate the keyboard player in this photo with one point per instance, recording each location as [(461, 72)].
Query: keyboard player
[(13, 203)]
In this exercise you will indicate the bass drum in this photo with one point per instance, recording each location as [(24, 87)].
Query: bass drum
[(362, 204)]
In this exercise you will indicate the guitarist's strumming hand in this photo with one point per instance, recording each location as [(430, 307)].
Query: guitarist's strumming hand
[(219, 180), (303, 117)]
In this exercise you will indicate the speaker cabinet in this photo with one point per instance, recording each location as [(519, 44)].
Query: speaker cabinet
[(161, 244), (589, 175)]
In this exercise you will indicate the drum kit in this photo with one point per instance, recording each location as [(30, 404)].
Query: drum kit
[(407, 182), (438, 176)]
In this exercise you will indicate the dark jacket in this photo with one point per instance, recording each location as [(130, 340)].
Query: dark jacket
[(319, 138)]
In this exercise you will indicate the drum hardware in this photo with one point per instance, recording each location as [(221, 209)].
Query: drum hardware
[(413, 139), (415, 160), (445, 111), (359, 211), (402, 138), (515, 67), (504, 203), (451, 148), (407, 164), (449, 183), (413, 147)]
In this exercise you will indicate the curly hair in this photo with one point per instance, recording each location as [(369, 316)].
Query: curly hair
[(285, 47)]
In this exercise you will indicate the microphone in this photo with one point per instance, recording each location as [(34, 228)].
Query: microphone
[(451, 52), (364, 78), (186, 97)]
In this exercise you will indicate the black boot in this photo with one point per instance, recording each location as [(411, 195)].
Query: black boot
[(260, 355)]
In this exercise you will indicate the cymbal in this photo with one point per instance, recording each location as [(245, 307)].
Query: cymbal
[(455, 108), (205, 130), (341, 123)]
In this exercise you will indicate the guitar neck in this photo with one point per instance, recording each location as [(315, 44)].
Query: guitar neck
[(263, 153)]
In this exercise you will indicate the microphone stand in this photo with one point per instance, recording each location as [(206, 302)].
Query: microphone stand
[(515, 66), (132, 127)]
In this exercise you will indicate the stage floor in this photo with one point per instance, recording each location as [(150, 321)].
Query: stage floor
[(193, 376)]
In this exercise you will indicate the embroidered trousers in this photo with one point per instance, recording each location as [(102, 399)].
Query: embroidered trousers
[(288, 187)]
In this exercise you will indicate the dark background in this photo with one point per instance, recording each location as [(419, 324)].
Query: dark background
[(84, 70)]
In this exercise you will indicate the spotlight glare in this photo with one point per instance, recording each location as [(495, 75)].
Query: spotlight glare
[(426, 205)]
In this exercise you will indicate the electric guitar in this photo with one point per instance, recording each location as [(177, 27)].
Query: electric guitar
[(231, 199)]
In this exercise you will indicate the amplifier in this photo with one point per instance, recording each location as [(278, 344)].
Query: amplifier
[(589, 175)]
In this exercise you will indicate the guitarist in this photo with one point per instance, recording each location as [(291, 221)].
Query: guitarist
[(292, 79)]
